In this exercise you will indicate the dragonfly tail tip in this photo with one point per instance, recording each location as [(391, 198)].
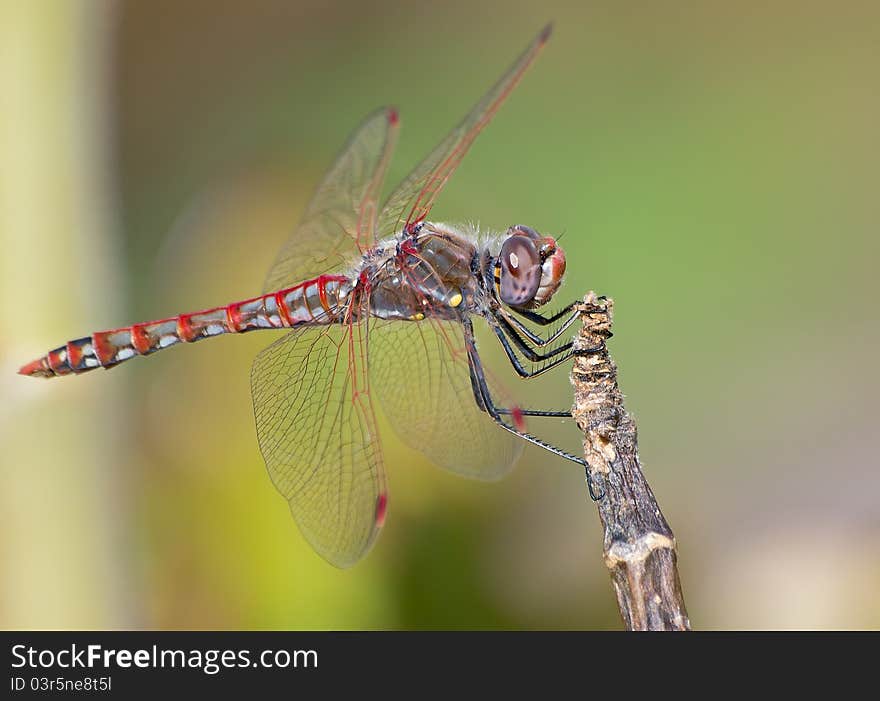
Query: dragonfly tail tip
[(35, 368)]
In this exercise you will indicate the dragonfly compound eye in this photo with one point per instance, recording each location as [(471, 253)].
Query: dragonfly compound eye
[(520, 264)]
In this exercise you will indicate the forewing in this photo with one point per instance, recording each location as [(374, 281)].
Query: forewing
[(317, 434), (411, 202), (420, 373), (340, 221)]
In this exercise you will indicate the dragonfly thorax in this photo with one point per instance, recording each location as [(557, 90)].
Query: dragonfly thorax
[(430, 273)]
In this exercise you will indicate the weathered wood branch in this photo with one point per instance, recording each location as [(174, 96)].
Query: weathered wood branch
[(639, 546)]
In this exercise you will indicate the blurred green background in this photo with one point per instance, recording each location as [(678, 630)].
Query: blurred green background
[(713, 167)]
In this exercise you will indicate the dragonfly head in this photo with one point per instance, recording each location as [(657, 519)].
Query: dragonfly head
[(529, 269)]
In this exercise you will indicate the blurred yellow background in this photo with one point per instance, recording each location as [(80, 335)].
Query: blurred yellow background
[(712, 166)]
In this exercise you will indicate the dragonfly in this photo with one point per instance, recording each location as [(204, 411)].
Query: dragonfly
[(379, 304)]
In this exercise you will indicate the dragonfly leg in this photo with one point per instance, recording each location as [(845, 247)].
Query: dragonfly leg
[(523, 345), (542, 320), (533, 356), (534, 412), (484, 400), (536, 339)]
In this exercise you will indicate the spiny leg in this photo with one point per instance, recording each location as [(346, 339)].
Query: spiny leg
[(523, 345), (542, 320), (478, 397), (534, 412), (484, 401), (536, 339), (533, 355)]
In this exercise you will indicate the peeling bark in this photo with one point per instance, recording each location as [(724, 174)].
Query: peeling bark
[(639, 546)]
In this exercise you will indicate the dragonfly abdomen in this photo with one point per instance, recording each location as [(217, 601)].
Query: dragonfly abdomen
[(316, 302)]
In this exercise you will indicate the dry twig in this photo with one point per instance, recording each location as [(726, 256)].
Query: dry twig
[(639, 546)]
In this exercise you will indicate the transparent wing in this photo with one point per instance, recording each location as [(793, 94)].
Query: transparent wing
[(420, 374), (411, 202), (316, 430), (340, 221)]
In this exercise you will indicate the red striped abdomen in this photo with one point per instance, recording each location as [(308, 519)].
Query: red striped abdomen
[(316, 302)]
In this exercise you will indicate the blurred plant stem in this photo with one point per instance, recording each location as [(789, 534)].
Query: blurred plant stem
[(58, 278), (639, 546)]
